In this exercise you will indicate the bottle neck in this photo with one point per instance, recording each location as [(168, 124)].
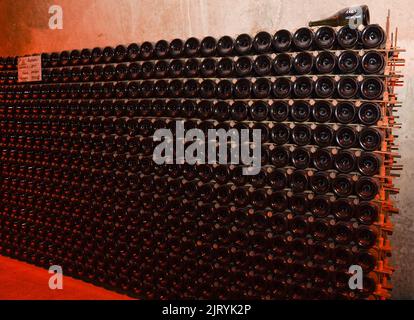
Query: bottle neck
[(333, 22)]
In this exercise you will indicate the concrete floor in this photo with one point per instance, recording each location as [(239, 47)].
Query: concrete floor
[(22, 281), (89, 23)]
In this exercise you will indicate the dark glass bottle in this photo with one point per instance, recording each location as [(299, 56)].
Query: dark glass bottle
[(239, 111), (346, 137), (345, 112), (370, 139), (300, 111), (262, 42), (262, 65), (243, 44), (207, 89), (303, 87), (133, 52), (345, 161), (320, 206), (279, 157), (281, 88), (322, 159), (146, 51), (372, 62), (303, 38), (192, 47), (325, 62), (303, 62), (225, 46), (323, 135), (301, 134), (299, 181), (347, 87), (325, 37), (280, 133), (322, 111), (372, 88), (300, 158), (161, 49), (108, 54), (242, 88), (208, 46), (348, 61), (366, 213), (208, 67), (261, 88), (345, 16), (225, 68), (325, 87), (367, 188), (347, 37), (176, 48), (75, 57), (282, 64), (373, 36), (64, 58), (120, 53), (342, 185), (282, 41), (343, 209), (320, 182), (367, 236), (369, 113), (258, 111), (369, 164), (243, 66)]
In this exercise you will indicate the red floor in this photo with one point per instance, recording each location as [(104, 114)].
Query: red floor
[(22, 281)]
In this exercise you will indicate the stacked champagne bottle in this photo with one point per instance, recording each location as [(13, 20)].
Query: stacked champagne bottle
[(79, 187)]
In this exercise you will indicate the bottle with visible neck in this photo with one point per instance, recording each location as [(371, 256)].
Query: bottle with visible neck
[(345, 17)]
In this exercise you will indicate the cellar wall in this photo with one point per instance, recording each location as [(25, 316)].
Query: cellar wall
[(89, 23)]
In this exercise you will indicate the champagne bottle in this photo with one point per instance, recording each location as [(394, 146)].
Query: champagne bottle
[(303, 87), (370, 139), (345, 112), (372, 88), (303, 63), (282, 64), (347, 37), (372, 62), (369, 164), (281, 88), (325, 87), (303, 38), (346, 137), (208, 46), (323, 135), (282, 41), (348, 61), (342, 185), (262, 42), (322, 111), (262, 65), (300, 111), (325, 62), (373, 36), (325, 37), (225, 46), (300, 158), (320, 182), (367, 188), (243, 44), (369, 113), (346, 16)]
